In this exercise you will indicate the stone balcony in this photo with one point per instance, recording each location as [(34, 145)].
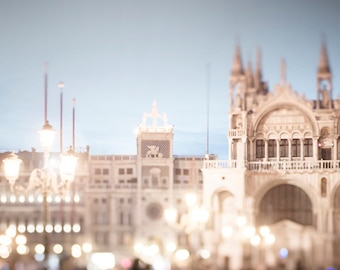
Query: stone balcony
[(237, 133), (262, 166)]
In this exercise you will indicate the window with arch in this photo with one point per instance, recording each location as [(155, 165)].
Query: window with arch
[(155, 175), (296, 148), (308, 147), (284, 149), (260, 149), (271, 148)]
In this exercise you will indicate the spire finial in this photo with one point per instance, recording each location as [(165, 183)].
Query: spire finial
[(250, 75), (324, 67), (237, 68), (283, 72)]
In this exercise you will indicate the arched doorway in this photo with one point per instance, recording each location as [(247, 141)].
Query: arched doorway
[(336, 227), (228, 246), (285, 202), (288, 211)]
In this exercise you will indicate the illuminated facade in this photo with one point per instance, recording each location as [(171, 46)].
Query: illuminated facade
[(116, 202), (283, 173)]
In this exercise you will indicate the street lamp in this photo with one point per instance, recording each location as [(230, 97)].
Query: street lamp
[(261, 240), (43, 179), (194, 218)]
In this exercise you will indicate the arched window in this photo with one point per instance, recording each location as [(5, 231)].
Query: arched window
[(296, 148), (284, 148), (271, 148), (260, 148), (308, 147)]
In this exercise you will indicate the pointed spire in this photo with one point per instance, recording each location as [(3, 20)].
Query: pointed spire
[(259, 64), (324, 68), (237, 68), (250, 75), (283, 72)]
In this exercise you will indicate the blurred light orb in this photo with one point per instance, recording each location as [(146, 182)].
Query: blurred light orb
[(87, 247), (182, 255), (76, 251), (283, 253), (57, 249), (39, 249)]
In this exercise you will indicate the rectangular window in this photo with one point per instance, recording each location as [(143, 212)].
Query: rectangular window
[(260, 148), (146, 182), (121, 171), (296, 148), (121, 218), (308, 147), (154, 180), (271, 148), (129, 171), (283, 148), (97, 171), (177, 171), (130, 219), (185, 172), (105, 171)]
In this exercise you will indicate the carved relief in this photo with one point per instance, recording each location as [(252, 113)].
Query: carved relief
[(155, 149), (153, 152)]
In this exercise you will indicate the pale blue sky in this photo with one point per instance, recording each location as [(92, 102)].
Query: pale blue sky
[(116, 57)]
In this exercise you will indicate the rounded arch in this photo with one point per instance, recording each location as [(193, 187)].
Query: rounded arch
[(218, 197), (272, 135), (284, 135), (335, 204), (336, 211), (338, 126), (267, 111), (297, 135), (285, 202)]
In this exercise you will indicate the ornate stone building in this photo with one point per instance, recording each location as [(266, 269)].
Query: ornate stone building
[(283, 173), (116, 202), (275, 202)]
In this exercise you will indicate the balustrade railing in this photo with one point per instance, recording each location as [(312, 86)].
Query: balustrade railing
[(296, 165)]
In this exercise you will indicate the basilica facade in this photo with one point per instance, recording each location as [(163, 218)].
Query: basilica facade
[(282, 176), (274, 203)]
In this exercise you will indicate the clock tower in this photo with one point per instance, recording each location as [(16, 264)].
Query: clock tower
[(155, 166)]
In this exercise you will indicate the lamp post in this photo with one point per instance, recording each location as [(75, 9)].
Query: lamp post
[(235, 233), (261, 240), (44, 179), (187, 222)]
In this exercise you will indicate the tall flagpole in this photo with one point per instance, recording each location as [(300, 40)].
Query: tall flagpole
[(61, 87), (73, 124), (45, 90), (208, 109)]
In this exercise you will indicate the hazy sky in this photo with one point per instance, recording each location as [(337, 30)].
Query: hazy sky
[(117, 57)]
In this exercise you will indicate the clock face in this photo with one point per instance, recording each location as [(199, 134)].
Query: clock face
[(154, 211), (155, 149)]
